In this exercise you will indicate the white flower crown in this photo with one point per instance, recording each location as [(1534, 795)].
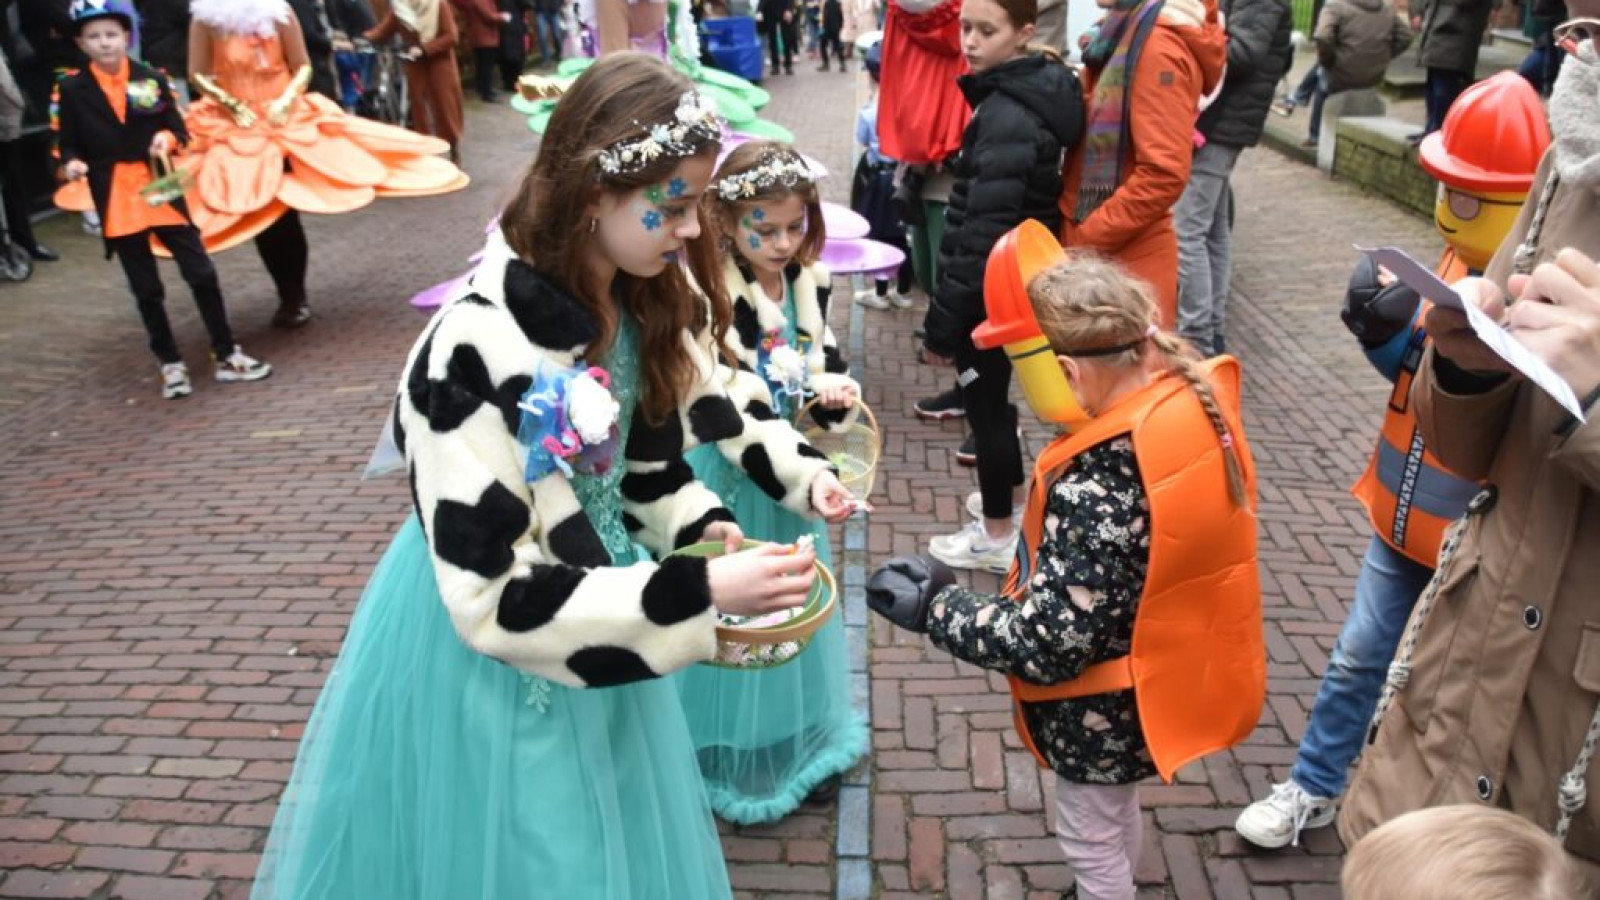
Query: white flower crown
[(694, 124), (786, 169)]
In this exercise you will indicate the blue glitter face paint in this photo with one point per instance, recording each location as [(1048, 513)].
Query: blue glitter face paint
[(754, 241), (651, 220), (676, 188), (759, 214)]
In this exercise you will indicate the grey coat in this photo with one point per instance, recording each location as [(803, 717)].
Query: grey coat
[(1356, 39), (1452, 31)]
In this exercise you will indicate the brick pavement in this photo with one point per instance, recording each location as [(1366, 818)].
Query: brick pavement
[(175, 577)]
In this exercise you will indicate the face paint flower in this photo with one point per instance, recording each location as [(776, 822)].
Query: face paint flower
[(651, 220)]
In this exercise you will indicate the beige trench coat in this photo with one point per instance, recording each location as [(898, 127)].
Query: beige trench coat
[(1505, 678)]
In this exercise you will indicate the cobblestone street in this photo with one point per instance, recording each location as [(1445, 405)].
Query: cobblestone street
[(175, 577)]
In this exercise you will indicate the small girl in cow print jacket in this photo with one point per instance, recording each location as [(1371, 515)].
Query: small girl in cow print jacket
[(494, 724), (766, 739)]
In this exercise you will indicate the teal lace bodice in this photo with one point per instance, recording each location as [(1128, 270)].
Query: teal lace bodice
[(601, 495)]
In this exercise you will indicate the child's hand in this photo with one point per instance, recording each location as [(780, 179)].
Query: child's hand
[(903, 590), (161, 144), (830, 498), (75, 169), (841, 397)]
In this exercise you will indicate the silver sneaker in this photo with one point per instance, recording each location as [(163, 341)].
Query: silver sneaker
[(175, 381), (1278, 820), (239, 367), (972, 548)]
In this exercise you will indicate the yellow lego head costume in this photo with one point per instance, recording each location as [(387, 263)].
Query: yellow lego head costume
[(1485, 157), (1017, 257)]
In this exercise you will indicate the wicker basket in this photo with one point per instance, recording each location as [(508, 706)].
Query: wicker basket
[(169, 182), (855, 451), (764, 646)]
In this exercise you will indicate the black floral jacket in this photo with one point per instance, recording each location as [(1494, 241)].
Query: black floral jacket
[(1078, 611)]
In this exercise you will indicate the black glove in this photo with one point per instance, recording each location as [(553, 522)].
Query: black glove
[(1373, 313), (902, 590)]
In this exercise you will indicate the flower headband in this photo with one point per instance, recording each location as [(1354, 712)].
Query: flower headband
[(784, 169), (692, 125)]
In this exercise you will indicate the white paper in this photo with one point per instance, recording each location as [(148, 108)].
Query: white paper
[(1504, 344)]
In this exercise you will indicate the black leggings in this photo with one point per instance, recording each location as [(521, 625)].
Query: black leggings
[(830, 38), (985, 378), (139, 264), (283, 250), (789, 34)]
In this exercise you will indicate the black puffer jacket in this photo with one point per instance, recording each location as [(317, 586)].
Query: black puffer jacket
[(1258, 54), (1025, 113)]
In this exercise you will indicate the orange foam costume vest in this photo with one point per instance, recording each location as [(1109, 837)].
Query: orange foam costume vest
[(1410, 497), (1198, 661)]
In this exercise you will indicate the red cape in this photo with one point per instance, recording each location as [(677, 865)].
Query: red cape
[(921, 112)]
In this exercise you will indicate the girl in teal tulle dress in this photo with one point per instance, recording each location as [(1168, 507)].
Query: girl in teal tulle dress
[(768, 737), (493, 727)]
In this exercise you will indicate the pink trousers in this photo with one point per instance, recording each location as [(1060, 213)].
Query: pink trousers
[(1100, 832)]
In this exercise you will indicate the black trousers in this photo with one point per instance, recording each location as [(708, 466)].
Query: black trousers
[(790, 34), (284, 251), (830, 38), (19, 228), (485, 62), (144, 279), (985, 379)]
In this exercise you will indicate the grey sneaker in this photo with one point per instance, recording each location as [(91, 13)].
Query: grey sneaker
[(972, 548), (1278, 820), (239, 367), (175, 381)]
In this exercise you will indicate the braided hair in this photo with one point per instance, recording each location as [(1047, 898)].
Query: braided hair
[(1089, 307)]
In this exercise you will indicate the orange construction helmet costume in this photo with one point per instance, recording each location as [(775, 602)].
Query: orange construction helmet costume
[(1198, 660), (1484, 157)]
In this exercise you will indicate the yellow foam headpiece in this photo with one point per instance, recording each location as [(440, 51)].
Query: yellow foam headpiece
[(1017, 257)]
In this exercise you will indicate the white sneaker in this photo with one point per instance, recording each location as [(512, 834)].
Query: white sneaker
[(239, 367), (175, 381), (975, 507), (901, 301), (972, 548), (1278, 820), (871, 300)]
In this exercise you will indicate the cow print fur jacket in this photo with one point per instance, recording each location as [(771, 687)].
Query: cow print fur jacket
[(525, 577), (756, 314)]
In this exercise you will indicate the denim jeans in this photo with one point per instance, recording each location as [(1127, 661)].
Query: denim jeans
[(1386, 589), (1205, 247), (1313, 90), (550, 36), (1443, 87)]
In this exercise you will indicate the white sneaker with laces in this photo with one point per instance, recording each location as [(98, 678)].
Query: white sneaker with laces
[(1278, 820), (239, 367), (871, 300), (975, 507), (175, 381), (901, 301), (972, 548)]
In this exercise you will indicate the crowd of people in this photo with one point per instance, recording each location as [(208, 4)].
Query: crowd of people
[(649, 316)]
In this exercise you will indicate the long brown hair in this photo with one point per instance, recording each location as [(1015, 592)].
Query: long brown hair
[(1089, 302), (722, 213), (618, 99)]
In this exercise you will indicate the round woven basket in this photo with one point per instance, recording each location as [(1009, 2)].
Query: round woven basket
[(765, 646), (854, 451)]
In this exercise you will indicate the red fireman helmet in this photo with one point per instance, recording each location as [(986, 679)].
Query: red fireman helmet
[(1492, 139)]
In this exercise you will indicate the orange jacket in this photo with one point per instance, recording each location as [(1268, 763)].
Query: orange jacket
[(1198, 667), (1410, 497), (1182, 60)]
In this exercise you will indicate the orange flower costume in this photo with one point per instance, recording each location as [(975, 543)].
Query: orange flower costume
[(261, 146)]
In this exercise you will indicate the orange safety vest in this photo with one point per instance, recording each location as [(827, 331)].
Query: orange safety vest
[(1198, 664), (1410, 497)]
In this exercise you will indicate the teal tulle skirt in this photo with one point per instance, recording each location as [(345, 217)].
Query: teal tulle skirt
[(429, 771), (767, 737)]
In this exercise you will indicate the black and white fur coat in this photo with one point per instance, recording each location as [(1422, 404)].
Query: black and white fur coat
[(525, 577), (756, 314)]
